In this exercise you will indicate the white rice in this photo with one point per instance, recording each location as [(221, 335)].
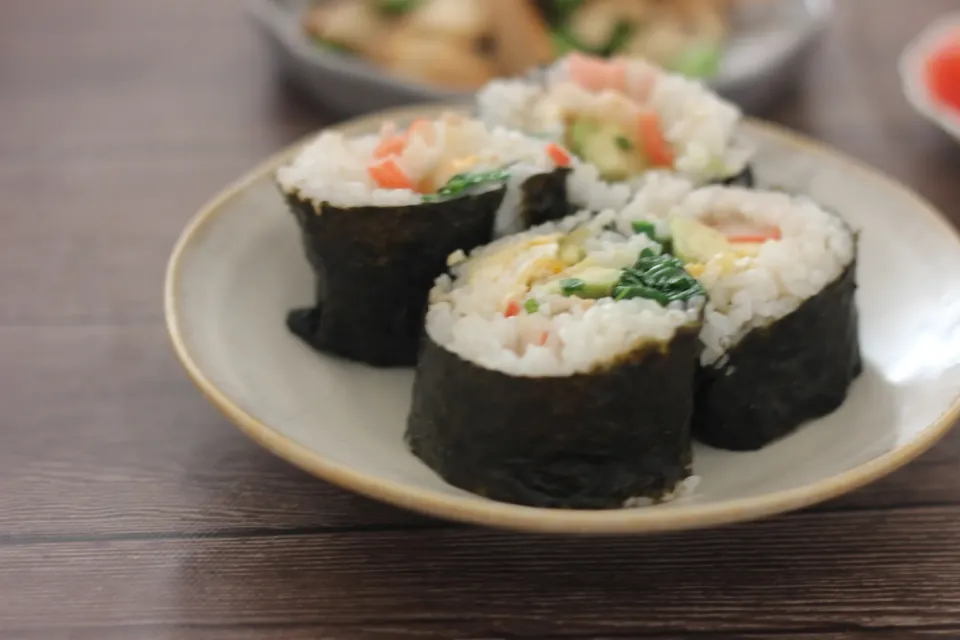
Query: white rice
[(466, 312), (586, 189), (751, 292), (332, 168), (700, 126)]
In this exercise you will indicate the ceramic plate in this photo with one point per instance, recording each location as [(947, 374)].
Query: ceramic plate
[(767, 46), (239, 267), (912, 63)]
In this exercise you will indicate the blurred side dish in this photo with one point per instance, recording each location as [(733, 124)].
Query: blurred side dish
[(463, 44), (943, 72)]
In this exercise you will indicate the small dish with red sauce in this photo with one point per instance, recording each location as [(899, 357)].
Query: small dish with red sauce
[(930, 72)]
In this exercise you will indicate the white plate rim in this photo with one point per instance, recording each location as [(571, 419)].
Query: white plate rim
[(516, 517)]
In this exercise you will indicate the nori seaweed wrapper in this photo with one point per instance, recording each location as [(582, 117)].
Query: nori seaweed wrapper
[(544, 198), (375, 267), (778, 377), (585, 441)]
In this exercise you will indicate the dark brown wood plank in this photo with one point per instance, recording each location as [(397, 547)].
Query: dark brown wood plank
[(105, 264), (813, 571), (442, 631), (141, 77), (136, 449), (899, 633), (115, 130)]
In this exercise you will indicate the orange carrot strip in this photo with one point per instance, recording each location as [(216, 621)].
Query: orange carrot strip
[(513, 308), (388, 175), (392, 143), (773, 234), (544, 335), (651, 136), (558, 154)]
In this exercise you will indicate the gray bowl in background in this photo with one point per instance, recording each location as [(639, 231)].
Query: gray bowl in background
[(762, 60)]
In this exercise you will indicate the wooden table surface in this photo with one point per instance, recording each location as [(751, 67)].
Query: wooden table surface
[(130, 509)]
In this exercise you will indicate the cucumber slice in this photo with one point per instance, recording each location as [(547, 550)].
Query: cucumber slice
[(570, 249), (694, 241), (592, 282), (580, 132)]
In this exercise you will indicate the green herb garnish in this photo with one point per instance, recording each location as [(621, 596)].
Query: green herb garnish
[(565, 42), (395, 7), (636, 290), (650, 230), (657, 277), (463, 182), (646, 228), (618, 39), (531, 306), (571, 286), (624, 143)]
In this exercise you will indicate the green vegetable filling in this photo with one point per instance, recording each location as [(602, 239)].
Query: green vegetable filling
[(564, 42), (701, 60), (694, 241), (463, 182), (395, 7), (618, 39), (531, 306), (657, 277), (563, 10), (650, 230), (607, 146), (571, 286), (592, 283), (646, 228)]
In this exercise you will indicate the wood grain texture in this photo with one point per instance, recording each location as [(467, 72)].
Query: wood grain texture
[(820, 571), (116, 128), (130, 509), (462, 630)]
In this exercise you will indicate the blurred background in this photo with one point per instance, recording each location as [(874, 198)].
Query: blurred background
[(392, 51), (140, 109)]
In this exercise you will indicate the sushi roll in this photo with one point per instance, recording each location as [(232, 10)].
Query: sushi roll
[(379, 215), (780, 333), (624, 117), (558, 369)]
